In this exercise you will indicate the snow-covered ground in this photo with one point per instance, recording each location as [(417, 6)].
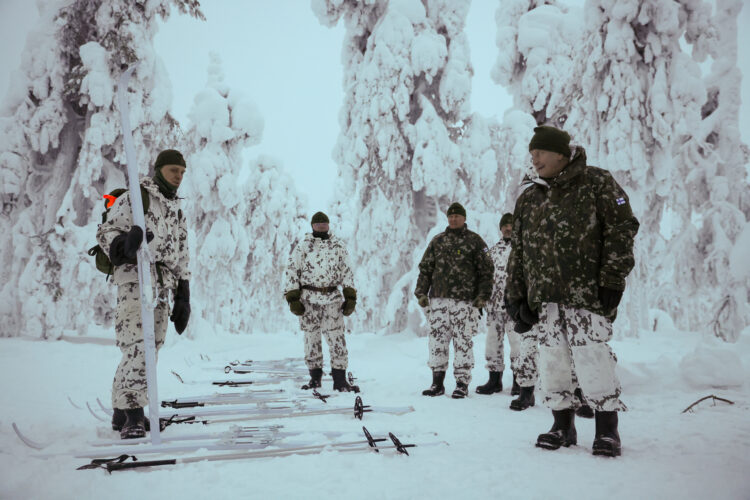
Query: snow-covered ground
[(490, 449)]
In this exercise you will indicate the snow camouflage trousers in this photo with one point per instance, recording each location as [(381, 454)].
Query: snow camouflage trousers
[(573, 342), (524, 355), (129, 388), (457, 320), (327, 320)]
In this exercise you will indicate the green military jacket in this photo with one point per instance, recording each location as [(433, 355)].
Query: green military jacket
[(571, 235), (456, 265)]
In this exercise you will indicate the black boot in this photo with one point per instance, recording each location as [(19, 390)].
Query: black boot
[(135, 424), (516, 389), (118, 419), (461, 391), (524, 400), (562, 433), (493, 385), (340, 383), (583, 411), (607, 440), (437, 388), (315, 375)]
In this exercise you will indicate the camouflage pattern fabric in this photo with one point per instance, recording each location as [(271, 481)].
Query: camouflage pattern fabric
[(499, 254), (524, 354), (571, 236), (456, 320), (456, 265), (319, 263), (573, 342), (328, 320), (169, 246), (129, 388)]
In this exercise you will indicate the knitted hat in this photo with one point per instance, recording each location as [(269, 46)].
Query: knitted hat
[(319, 218), (169, 157), (456, 209), (552, 139), (506, 219)]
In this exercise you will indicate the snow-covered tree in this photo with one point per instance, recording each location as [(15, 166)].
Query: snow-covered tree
[(407, 81), (60, 150), (241, 218)]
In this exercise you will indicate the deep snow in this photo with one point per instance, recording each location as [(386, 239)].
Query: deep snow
[(490, 451)]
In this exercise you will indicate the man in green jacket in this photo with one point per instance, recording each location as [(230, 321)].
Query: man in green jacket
[(572, 248), (454, 285)]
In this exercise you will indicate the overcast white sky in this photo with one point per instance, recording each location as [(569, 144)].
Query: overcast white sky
[(279, 55)]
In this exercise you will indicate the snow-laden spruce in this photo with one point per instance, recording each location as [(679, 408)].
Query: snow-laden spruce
[(243, 216), (61, 149)]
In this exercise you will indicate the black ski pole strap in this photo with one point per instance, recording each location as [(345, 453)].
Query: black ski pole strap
[(230, 383), (320, 396), (350, 378), (180, 404), (360, 408), (135, 465), (103, 463), (371, 441), (174, 419), (400, 447)]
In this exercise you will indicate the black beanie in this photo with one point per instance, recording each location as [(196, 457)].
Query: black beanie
[(319, 218), (169, 157), (506, 219), (457, 209), (552, 139)]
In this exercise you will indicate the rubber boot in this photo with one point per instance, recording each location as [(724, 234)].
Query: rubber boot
[(607, 440), (516, 389), (135, 424), (118, 419), (461, 391), (583, 411), (315, 375), (562, 433), (340, 383), (493, 385), (524, 399), (437, 388)]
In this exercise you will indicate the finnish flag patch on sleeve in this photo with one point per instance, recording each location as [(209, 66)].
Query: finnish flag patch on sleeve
[(620, 201)]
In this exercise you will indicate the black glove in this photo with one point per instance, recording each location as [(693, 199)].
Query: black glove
[(527, 315), (513, 307), (609, 298), (297, 307), (522, 327), (350, 300), (124, 247), (520, 312), (181, 309)]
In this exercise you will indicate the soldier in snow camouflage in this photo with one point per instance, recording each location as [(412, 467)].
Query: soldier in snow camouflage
[(572, 242), (317, 266), (166, 232), (454, 285), (523, 346)]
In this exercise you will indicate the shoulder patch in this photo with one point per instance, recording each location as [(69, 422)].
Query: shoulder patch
[(485, 249), (620, 201)]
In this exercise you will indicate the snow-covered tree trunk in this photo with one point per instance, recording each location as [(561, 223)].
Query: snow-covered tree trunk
[(61, 150), (242, 218)]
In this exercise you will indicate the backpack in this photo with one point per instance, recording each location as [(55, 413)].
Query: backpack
[(102, 259)]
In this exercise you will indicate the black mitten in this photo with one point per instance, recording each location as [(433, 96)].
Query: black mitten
[(181, 309)]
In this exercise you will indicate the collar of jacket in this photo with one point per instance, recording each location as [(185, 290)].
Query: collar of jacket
[(458, 231), (572, 170), (321, 235)]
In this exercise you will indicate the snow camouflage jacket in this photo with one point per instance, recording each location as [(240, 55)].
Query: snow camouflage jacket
[(319, 263), (499, 254), (570, 237), (456, 265), (169, 247)]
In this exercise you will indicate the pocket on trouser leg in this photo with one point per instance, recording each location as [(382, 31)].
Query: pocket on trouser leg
[(556, 374), (595, 368)]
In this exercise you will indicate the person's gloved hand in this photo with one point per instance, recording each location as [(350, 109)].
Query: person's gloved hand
[(609, 298), (479, 303), (423, 301), (293, 299), (181, 310), (527, 315), (350, 300), (513, 307)]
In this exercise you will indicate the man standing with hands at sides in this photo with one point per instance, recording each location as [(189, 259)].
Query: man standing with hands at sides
[(523, 345), (572, 248), (318, 265), (166, 237), (454, 285)]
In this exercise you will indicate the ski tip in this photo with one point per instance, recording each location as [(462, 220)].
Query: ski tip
[(28, 442)]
